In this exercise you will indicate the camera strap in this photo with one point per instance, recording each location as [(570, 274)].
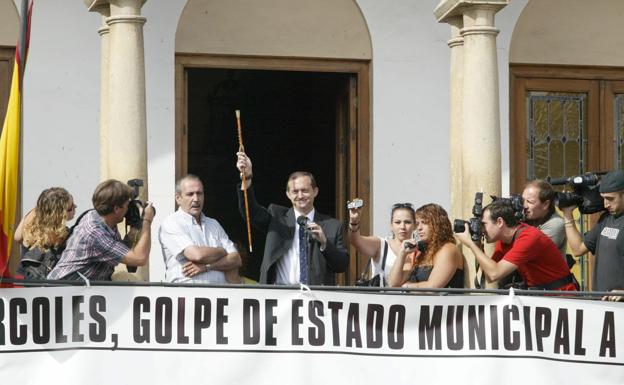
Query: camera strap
[(385, 255), (479, 280), (383, 264), (519, 230), (366, 269)]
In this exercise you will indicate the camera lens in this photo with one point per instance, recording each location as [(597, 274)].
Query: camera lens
[(459, 225), (567, 199)]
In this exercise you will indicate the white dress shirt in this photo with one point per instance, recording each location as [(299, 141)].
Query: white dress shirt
[(181, 230), (288, 265)]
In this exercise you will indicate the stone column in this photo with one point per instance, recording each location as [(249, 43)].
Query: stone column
[(479, 106), (123, 114), (456, 44), (104, 75), (126, 97), (127, 130)]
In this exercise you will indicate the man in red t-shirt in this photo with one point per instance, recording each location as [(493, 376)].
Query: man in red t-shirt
[(519, 247)]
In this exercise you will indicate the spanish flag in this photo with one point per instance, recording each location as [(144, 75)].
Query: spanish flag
[(10, 143)]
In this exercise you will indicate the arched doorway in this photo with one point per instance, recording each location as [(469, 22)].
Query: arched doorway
[(299, 73)]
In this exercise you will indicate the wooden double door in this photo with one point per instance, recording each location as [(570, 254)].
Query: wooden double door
[(565, 121)]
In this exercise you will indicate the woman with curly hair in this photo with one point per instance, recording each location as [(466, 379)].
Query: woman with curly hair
[(440, 265), (45, 227)]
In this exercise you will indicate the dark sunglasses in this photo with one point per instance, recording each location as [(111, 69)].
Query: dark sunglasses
[(402, 206)]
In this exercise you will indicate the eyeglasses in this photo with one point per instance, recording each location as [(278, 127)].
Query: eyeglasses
[(406, 205)]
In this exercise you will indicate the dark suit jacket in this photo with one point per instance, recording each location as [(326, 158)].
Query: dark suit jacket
[(278, 222)]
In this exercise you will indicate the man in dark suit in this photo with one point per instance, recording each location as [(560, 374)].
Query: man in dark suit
[(302, 245)]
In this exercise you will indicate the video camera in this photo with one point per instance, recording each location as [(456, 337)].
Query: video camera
[(516, 202), (419, 245), (585, 193), (474, 223), (133, 215)]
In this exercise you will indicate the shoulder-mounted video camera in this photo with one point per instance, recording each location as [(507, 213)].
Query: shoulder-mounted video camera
[(585, 193), (474, 223)]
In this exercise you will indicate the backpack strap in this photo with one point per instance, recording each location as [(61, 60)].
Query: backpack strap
[(71, 229), (61, 248)]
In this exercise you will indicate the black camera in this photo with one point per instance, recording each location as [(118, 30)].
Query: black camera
[(419, 245), (516, 202), (474, 223), (585, 193), (133, 215)]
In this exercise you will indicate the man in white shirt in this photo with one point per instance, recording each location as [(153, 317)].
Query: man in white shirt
[(195, 247)]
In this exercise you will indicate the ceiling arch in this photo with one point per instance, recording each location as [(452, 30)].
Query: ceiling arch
[(569, 32), (291, 28)]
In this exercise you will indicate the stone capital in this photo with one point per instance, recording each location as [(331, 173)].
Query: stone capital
[(456, 23), (103, 6), (449, 9), (96, 5), (126, 19), (481, 30)]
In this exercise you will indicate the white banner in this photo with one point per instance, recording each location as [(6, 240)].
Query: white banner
[(161, 335)]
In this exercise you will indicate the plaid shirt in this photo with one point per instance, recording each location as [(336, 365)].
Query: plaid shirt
[(93, 249)]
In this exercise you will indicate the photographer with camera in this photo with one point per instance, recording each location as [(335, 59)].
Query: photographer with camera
[(434, 261), (604, 239), (518, 247), (95, 246), (539, 211)]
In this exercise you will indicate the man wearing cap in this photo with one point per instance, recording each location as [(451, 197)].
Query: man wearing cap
[(605, 240)]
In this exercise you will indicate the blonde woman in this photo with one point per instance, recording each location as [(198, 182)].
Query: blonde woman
[(44, 228)]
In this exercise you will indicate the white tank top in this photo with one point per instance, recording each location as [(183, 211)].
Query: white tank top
[(390, 258)]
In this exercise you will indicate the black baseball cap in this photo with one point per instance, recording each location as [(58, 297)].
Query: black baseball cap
[(613, 181)]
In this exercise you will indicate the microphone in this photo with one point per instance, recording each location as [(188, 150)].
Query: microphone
[(302, 220)]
